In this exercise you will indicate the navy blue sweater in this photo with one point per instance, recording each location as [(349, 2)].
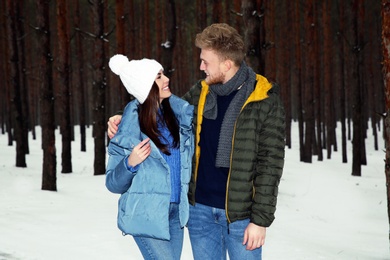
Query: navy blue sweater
[(211, 181)]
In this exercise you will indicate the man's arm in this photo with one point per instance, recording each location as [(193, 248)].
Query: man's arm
[(270, 163), (113, 123)]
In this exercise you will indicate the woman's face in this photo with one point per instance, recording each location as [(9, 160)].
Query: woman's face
[(162, 82)]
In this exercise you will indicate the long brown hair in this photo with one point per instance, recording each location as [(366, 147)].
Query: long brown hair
[(148, 115)]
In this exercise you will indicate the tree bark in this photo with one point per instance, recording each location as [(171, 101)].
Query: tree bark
[(15, 84), (308, 116), (79, 81), (170, 43), (342, 85), (120, 49), (24, 88), (63, 85), (252, 33), (217, 12), (386, 78), (328, 86), (49, 178), (7, 85), (357, 142), (269, 41), (99, 86), (284, 70)]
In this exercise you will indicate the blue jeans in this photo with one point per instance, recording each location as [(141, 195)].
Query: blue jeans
[(210, 239), (152, 248)]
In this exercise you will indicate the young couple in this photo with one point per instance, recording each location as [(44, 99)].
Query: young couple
[(221, 178)]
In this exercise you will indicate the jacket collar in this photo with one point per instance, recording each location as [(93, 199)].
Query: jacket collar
[(259, 93)]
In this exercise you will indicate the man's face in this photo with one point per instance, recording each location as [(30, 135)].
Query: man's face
[(212, 66)]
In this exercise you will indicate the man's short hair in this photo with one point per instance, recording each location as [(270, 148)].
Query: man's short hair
[(224, 40)]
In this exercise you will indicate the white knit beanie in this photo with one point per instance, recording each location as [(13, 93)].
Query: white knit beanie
[(136, 75)]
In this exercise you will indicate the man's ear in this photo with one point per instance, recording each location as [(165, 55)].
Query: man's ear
[(228, 64)]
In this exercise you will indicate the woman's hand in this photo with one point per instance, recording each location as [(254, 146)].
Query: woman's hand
[(140, 152)]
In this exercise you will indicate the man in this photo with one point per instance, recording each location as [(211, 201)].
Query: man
[(239, 156)]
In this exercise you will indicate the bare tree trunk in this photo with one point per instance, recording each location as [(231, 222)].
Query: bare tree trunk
[(169, 45), (63, 85), (386, 78), (377, 103), (298, 73), (120, 49), (342, 83), (201, 14), (146, 28), (328, 87), (269, 40), (32, 83), (251, 35), (6, 69), (217, 12), (132, 47), (318, 103), (158, 27), (357, 140), (24, 88), (15, 84), (3, 98), (238, 16), (285, 57), (49, 178), (181, 68), (79, 73), (201, 22), (99, 86), (308, 116)]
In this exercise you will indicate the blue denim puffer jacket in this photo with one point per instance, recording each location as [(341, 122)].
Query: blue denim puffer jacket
[(143, 208)]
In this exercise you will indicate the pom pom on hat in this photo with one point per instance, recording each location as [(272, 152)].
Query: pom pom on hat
[(117, 62), (136, 75)]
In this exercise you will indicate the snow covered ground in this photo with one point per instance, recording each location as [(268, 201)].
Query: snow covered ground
[(323, 212)]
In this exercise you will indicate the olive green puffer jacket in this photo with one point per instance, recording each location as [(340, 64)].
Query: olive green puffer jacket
[(257, 157)]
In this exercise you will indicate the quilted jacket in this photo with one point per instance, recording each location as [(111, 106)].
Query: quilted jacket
[(143, 208), (257, 155)]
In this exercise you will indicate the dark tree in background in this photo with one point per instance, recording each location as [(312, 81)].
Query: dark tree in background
[(268, 39), (357, 116), (121, 46), (20, 24), (4, 66), (284, 56), (14, 82), (169, 37), (252, 33), (78, 74), (308, 85), (386, 78), (63, 68), (99, 86), (49, 178), (329, 88), (341, 78)]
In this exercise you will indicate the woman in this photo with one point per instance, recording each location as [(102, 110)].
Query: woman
[(149, 160)]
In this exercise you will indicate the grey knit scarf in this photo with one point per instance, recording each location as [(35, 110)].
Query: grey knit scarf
[(243, 81)]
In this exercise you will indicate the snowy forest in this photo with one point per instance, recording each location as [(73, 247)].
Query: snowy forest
[(326, 55)]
